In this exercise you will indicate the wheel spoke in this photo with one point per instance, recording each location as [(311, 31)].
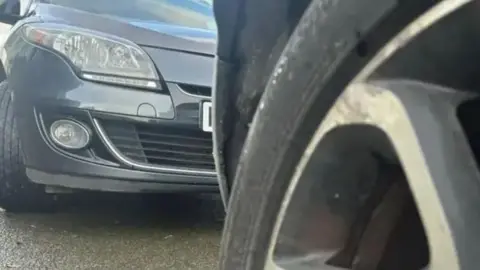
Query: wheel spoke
[(429, 18), (439, 165), (421, 122)]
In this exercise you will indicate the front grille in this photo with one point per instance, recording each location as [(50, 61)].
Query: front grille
[(162, 145), (196, 90)]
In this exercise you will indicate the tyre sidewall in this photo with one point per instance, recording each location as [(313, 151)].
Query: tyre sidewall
[(297, 97)]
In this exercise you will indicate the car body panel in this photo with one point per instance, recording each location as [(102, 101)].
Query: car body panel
[(248, 46), (173, 65), (141, 34)]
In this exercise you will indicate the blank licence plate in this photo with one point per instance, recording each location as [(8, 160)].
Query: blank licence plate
[(206, 119)]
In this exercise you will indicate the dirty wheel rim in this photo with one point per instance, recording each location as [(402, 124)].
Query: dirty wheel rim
[(422, 125)]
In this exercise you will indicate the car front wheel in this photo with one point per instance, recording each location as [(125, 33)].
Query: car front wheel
[(17, 193)]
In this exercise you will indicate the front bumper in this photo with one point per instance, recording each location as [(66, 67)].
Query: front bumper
[(97, 168), (53, 91), (161, 183)]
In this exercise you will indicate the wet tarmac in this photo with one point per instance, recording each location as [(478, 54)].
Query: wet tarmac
[(112, 231)]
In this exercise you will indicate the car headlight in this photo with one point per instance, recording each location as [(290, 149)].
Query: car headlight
[(96, 56)]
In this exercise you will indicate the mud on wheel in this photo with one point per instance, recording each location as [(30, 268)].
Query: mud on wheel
[(363, 150)]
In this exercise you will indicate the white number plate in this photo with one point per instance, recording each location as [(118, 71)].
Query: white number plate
[(206, 116)]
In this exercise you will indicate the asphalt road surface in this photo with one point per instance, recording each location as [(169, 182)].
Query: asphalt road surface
[(106, 231)]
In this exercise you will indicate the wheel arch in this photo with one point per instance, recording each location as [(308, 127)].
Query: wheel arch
[(244, 55)]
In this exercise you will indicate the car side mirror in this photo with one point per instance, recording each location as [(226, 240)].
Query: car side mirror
[(10, 11)]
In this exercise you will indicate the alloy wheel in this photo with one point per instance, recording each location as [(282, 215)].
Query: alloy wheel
[(393, 152)]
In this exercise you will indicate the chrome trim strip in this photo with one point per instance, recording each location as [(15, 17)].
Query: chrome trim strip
[(118, 155)]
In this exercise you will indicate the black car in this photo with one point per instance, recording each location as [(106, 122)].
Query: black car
[(105, 95)]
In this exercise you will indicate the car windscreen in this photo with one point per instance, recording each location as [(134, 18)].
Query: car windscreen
[(186, 13)]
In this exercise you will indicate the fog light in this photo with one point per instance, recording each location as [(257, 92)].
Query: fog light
[(70, 134)]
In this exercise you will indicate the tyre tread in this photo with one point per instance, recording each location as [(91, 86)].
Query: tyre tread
[(17, 193)]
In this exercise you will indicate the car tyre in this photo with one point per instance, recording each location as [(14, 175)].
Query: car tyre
[(278, 136), (17, 193)]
